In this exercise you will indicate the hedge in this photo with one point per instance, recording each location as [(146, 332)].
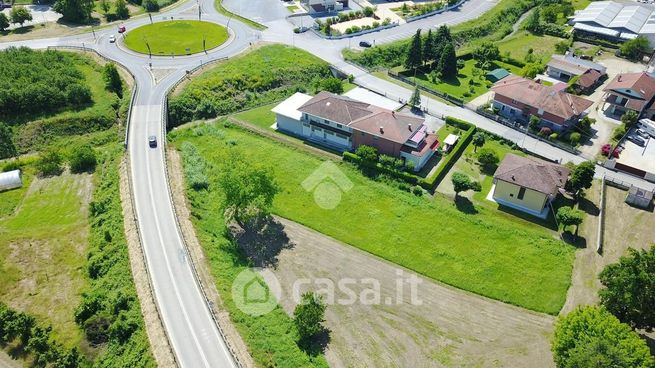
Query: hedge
[(430, 183), (401, 175)]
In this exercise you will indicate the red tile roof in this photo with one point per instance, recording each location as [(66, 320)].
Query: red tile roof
[(541, 97), (641, 83)]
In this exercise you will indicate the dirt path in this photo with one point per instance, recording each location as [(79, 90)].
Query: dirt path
[(235, 341), (159, 343), (625, 227), (450, 328)]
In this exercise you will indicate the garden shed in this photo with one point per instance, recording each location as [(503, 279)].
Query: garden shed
[(10, 180), (639, 197), (497, 74)]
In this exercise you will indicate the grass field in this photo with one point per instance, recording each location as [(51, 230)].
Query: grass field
[(175, 37), (519, 43), (43, 251), (484, 253)]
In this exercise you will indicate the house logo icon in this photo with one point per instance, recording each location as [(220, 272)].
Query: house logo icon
[(327, 183), (256, 291)]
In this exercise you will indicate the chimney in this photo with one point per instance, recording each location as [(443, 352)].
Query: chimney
[(619, 78), (393, 113), (409, 126), (381, 129), (513, 178)]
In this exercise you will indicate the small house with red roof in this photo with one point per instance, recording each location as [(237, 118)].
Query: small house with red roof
[(631, 91)]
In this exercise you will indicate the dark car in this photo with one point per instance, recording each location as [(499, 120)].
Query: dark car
[(364, 44), (4, 6), (637, 140), (152, 141)]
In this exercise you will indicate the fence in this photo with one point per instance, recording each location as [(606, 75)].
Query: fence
[(434, 12), (440, 94)]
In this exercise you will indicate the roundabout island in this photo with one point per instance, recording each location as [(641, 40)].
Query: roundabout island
[(176, 37)]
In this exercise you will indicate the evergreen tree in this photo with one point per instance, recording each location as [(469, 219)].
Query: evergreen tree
[(415, 100), (77, 11), (122, 12), (428, 48), (415, 52), (448, 62), (112, 79), (4, 22), (7, 147), (440, 40)]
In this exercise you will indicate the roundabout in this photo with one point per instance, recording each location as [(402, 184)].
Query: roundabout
[(176, 37)]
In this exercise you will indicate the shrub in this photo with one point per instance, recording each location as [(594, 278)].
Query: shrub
[(574, 138), (194, 167), (83, 159), (488, 158), (150, 5), (367, 153), (49, 163)]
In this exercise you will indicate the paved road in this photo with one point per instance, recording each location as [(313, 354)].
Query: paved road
[(194, 336)]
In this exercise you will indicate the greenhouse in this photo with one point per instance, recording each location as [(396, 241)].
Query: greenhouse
[(10, 180)]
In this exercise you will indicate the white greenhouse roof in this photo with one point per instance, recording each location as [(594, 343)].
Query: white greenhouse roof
[(10, 180), (599, 12), (619, 19), (599, 30), (290, 106), (631, 18)]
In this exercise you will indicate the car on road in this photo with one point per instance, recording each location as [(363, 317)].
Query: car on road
[(121, 29), (637, 140), (364, 44), (112, 39), (152, 141)]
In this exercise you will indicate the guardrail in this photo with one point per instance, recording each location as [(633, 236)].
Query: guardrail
[(196, 275), (130, 183)]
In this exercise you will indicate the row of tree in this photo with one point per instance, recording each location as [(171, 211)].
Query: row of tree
[(18, 15), (434, 52)]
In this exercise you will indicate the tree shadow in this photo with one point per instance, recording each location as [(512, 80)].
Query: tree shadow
[(548, 223), (650, 341), (316, 345), (488, 170), (588, 206), (570, 238), (261, 241), (465, 205)]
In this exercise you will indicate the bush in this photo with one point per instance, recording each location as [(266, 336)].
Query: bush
[(83, 159), (49, 163), (150, 5), (367, 153), (574, 138), (194, 167), (488, 158)]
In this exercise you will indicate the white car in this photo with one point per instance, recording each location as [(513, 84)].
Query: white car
[(112, 39)]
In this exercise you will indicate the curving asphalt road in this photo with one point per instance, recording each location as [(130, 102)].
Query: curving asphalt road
[(193, 334)]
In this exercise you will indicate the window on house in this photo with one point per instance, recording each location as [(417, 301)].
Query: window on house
[(339, 126), (521, 193), (363, 134)]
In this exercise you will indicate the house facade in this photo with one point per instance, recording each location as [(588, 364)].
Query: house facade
[(518, 98), (527, 184), (344, 124), (566, 67), (631, 91)]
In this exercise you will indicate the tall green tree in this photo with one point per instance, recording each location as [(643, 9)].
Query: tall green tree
[(249, 190), (629, 291), (112, 79), (461, 183), (533, 23), (415, 52), (76, 11), (442, 37), (478, 140), (7, 147), (448, 61), (309, 316), (629, 118), (4, 22), (633, 49), (486, 53), (586, 335), (568, 216), (428, 48), (415, 100), (581, 177), (20, 15), (122, 12)]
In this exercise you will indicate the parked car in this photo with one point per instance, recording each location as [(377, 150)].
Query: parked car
[(364, 44), (647, 126), (642, 134), (112, 39), (637, 140), (152, 141), (4, 6)]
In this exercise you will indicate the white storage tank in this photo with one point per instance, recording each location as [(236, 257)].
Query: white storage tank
[(10, 180)]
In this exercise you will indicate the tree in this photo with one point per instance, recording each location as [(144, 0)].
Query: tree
[(534, 122), (249, 190), (549, 13), (478, 140), (530, 70), (488, 158), (113, 82), (414, 53), (629, 118), (634, 48), (574, 138), (448, 61), (568, 216), (367, 153), (428, 48), (76, 11), (7, 147), (415, 100), (332, 84), (581, 177), (4, 22), (309, 316), (150, 5), (20, 15), (562, 47), (105, 5), (533, 23), (486, 53), (587, 333), (83, 159), (122, 12), (462, 183), (629, 292), (49, 163)]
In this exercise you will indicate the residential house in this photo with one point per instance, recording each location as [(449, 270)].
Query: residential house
[(631, 91), (588, 75), (343, 124), (518, 98), (528, 184)]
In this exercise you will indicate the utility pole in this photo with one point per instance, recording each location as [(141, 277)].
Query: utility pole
[(150, 15), (204, 44), (148, 46), (199, 11), (94, 33)]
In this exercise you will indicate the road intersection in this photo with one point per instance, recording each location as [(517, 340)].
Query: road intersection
[(192, 331)]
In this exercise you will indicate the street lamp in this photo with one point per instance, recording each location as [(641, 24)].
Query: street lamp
[(204, 43)]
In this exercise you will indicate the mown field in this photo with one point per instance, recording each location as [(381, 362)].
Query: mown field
[(484, 253), (175, 37)]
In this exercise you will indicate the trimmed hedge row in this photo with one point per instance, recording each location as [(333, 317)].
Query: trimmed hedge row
[(402, 175), (430, 183)]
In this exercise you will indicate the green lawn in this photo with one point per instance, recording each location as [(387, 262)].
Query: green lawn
[(261, 116), (519, 43), (485, 253), (175, 37)]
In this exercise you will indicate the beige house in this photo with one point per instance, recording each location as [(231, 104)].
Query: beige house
[(528, 184)]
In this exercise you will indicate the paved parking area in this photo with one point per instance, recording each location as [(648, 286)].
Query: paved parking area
[(639, 157), (40, 14)]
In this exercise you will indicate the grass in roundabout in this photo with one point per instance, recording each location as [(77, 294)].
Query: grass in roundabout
[(175, 37)]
